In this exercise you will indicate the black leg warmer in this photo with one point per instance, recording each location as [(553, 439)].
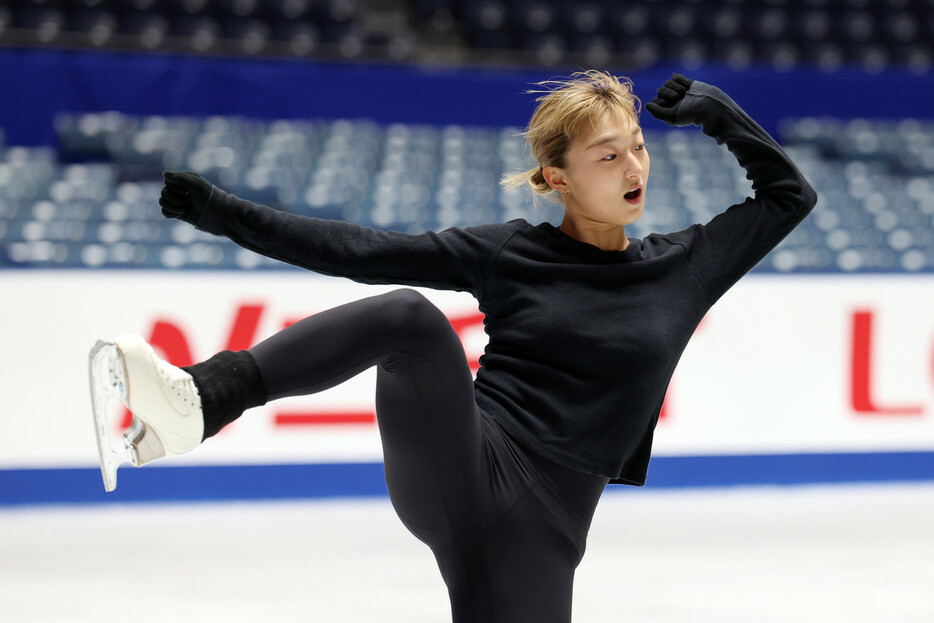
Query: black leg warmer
[(229, 383)]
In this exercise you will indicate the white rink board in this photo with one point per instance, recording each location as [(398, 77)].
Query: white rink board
[(770, 370)]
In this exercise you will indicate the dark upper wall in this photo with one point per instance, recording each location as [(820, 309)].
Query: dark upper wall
[(38, 83)]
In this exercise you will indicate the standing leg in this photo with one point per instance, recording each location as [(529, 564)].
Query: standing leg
[(506, 527), (518, 563)]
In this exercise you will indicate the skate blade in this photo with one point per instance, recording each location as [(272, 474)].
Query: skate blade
[(107, 374)]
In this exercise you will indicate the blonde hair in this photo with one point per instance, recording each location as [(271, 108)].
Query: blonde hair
[(564, 109)]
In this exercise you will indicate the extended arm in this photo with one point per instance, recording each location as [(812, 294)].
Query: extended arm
[(733, 242), (455, 259)]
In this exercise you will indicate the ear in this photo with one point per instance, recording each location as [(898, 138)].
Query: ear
[(555, 178)]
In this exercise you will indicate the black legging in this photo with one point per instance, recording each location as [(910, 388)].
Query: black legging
[(507, 527)]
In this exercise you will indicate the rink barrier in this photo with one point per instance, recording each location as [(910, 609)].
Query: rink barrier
[(24, 487)]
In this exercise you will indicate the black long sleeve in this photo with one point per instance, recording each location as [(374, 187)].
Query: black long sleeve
[(454, 259), (582, 342), (733, 242)]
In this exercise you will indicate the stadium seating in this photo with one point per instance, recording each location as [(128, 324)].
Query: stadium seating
[(637, 33), (93, 202)]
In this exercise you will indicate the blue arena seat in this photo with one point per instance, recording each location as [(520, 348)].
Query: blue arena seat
[(831, 34), (148, 28), (299, 37), (250, 34), (95, 25), (200, 31), (489, 25), (86, 205), (239, 8), (289, 10)]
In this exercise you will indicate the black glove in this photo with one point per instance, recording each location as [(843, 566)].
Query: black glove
[(664, 106), (184, 195)]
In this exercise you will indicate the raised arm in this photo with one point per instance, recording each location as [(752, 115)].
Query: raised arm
[(454, 259), (733, 242)]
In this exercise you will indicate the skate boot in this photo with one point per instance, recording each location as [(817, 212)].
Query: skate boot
[(164, 401)]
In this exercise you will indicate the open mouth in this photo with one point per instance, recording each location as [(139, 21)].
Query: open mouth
[(633, 195)]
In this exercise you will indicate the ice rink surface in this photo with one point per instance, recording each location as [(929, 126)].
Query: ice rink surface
[(842, 554)]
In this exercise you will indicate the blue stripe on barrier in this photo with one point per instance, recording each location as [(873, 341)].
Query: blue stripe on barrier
[(192, 483), (331, 480), (790, 469)]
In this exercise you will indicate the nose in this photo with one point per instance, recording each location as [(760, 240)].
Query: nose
[(634, 166)]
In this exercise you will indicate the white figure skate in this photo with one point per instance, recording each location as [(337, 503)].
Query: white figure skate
[(166, 407)]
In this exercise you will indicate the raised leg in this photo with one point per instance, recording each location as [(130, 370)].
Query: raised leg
[(427, 415)]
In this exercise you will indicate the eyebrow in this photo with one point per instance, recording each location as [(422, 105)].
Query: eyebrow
[(609, 138)]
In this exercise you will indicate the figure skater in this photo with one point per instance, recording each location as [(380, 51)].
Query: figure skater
[(499, 476)]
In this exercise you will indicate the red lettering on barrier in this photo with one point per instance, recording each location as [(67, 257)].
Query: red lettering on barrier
[(861, 371), (665, 412), (168, 338), (243, 331), (461, 324), (309, 418)]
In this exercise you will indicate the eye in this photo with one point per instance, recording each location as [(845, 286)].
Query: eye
[(640, 147), (609, 158)]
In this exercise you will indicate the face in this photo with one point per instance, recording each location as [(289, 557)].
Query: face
[(606, 172)]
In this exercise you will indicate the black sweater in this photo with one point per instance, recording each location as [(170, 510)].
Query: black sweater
[(582, 342)]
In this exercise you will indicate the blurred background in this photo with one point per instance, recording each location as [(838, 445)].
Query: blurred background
[(794, 464)]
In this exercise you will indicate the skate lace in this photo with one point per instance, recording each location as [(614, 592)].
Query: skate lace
[(182, 384), (188, 391)]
